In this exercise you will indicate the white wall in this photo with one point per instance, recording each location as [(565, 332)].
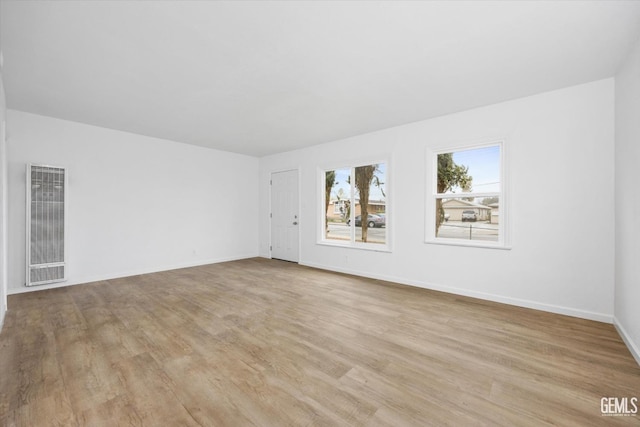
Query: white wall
[(627, 161), (561, 155), (3, 198), (3, 205), (136, 204)]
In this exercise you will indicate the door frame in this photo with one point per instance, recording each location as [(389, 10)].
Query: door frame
[(297, 170)]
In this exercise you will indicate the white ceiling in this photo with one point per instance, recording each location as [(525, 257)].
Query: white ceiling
[(265, 77)]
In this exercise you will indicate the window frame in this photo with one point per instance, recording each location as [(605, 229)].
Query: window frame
[(352, 243), (432, 195)]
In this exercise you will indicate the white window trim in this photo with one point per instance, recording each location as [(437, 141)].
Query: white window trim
[(352, 244), (504, 233)]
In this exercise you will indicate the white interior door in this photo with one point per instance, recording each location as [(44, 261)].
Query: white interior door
[(284, 216)]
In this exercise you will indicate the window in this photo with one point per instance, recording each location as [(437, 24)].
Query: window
[(339, 206), (466, 201), (355, 206)]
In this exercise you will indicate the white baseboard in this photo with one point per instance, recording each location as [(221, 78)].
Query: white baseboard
[(568, 311), (100, 278), (633, 348)]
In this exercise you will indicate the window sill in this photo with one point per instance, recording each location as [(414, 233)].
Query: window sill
[(446, 242), (373, 247)]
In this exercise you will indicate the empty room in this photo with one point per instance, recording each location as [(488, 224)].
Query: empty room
[(319, 213)]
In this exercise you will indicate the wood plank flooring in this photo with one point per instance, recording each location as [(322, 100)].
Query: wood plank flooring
[(269, 343)]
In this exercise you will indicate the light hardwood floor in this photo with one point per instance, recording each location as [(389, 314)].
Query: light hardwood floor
[(269, 343)]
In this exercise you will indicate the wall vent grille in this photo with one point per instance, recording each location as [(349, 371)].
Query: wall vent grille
[(46, 208)]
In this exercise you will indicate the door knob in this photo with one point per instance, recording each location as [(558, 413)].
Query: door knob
[(295, 222)]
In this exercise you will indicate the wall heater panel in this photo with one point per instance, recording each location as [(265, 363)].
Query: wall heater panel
[(46, 207)]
